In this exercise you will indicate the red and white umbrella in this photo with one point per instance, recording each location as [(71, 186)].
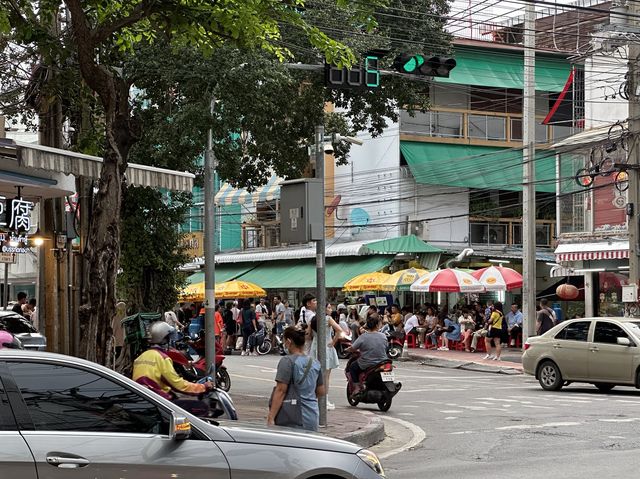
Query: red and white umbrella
[(447, 281), (498, 278)]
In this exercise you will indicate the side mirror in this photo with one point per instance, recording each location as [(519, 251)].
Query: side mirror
[(624, 342), (179, 428)]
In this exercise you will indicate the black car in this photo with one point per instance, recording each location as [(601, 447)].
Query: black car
[(22, 329)]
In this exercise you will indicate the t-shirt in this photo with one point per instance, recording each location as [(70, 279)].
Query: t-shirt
[(455, 334), (496, 320), (248, 316), (288, 316), (372, 347), (280, 312), (545, 317), (291, 370), (171, 319), (261, 310), (411, 323), (219, 323), (306, 315), (396, 319), (17, 308)]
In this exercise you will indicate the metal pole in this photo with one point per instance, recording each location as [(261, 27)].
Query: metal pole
[(528, 176), (320, 275), (5, 295), (209, 252), (634, 152)]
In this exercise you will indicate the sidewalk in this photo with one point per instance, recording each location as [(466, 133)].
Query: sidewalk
[(511, 362), (349, 424)]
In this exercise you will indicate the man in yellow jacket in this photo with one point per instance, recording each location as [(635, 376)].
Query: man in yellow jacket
[(154, 368)]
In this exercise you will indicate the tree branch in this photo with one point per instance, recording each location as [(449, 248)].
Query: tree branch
[(143, 10)]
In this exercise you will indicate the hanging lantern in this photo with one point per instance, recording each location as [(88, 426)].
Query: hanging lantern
[(567, 292)]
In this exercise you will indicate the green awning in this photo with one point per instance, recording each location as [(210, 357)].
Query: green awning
[(505, 70), (401, 244), (295, 274), (224, 272), (470, 166)]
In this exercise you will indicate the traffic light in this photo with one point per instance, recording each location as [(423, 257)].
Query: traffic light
[(421, 65), (364, 75)]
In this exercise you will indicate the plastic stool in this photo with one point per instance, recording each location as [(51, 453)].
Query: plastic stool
[(411, 340)]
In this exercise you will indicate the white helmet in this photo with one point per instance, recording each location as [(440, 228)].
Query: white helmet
[(160, 332)]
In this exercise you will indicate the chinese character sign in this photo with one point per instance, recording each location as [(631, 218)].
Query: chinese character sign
[(20, 214)]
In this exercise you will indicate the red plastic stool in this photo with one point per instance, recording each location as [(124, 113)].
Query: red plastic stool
[(411, 340)]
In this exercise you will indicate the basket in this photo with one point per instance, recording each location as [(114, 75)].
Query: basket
[(137, 331)]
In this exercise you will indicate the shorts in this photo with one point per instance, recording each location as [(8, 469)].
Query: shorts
[(495, 333)]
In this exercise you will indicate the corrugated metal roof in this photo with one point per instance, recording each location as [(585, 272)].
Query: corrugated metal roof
[(77, 164), (354, 248)]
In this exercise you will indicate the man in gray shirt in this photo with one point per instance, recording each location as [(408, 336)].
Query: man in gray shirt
[(372, 346), (278, 313)]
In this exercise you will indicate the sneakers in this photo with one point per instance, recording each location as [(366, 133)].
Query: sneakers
[(443, 348), (330, 406), (243, 353), (489, 356), (512, 343), (496, 358)]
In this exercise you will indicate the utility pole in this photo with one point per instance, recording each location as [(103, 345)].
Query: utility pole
[(528, 175), (320, 275), (633, 8), (210, 252)]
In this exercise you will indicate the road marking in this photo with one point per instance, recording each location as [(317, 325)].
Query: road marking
[(450, 417), (616, 437), (251, 377), (263, 369), (498, 399), (418, 435), (532, 406), (405, 414), (462, 432), (538, 426), (411, 407), (631, 419), (450, 411)]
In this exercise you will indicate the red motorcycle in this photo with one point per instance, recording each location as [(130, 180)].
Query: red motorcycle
[(194, 371), (396, 344)]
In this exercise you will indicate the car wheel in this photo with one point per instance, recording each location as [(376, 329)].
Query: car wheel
[(605, 387), (550, 377)]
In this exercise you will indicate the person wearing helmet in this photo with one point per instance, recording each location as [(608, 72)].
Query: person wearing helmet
[(9, 341), (154, 368)]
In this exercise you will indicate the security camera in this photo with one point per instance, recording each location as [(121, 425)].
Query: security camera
[(328, 148)]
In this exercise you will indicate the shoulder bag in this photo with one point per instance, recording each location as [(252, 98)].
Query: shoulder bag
[(290, 413)]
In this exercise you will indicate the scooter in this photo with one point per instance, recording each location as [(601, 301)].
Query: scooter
[(192, 370), (210, 405), (396, 344), (378, 385), (342, 345)]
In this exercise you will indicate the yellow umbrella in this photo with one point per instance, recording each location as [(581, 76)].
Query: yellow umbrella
[(227, 290), (238, 289), (366, 282), (403, 279)]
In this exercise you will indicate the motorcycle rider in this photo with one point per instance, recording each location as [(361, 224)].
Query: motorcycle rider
[(372, 346), (154, 368)]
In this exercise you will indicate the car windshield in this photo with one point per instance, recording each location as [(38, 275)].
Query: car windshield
[(635, 328), (17, 325)]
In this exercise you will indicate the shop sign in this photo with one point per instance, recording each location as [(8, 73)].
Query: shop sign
[(7, 258), (194, 244)]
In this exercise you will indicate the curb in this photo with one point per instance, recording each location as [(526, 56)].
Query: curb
[(368, 436), (463, 365)]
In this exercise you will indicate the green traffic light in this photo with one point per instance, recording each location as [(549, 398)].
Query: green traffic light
[(416, 62)]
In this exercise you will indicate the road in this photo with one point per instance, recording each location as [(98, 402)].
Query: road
[(483, 425)]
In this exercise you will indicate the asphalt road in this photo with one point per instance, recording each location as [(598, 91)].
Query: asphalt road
[(483, 425)]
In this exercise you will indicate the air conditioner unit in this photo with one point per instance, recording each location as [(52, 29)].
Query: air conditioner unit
[(418, 227)]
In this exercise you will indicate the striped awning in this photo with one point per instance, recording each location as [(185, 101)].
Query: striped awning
[(592, 251), (228, 195)]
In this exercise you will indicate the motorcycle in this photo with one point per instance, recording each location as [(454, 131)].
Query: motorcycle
[(192, 370), (210, 405), (378, 385), (342, 345), (396, 344)]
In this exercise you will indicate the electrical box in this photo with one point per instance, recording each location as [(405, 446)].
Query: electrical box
[(301, 211), (629, 293)]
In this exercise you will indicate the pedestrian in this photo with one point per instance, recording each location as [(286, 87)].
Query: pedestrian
[(353, 319), (27, 309), (333, 334), (34, 313), (451, 332), (262, 310), (342, 319), (288, 314), (249, 326), (22, 299), (218, 322), (303, 375), (514, 324), (171, 319), (411, 324), (438, 328), (494, 333), (546, 318), (467, 327), (278, 314), (308, 310), (230, 326)]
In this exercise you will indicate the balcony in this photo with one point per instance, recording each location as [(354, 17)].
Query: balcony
[(475, 127), (260, 235), (508, 231)]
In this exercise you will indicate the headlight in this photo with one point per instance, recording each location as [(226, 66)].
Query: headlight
[(372, 461)]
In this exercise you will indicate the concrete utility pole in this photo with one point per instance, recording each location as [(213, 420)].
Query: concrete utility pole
[(633, 8), (528, 176), (320, 275), (210, 251)]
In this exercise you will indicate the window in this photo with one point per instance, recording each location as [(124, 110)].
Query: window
[(575, 331), (608, 333), (16, 324), (62, 398), (7, 422)]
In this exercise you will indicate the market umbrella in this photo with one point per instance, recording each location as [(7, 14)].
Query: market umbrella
[(447, 281), (403, 279), (238, 289), (498, 278), (193, 292), (366, 282)]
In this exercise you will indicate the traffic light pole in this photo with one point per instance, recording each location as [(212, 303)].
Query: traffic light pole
[(528, 177), (210, 252)]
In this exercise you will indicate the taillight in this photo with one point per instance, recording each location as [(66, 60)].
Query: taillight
[(527, 345), (386, 367)]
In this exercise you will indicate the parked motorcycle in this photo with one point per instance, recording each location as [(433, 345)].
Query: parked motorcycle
[(191, 370), (342, 345), (396, 344), (378, 385)]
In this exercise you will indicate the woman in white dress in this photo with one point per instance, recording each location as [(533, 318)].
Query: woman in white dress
[(334, 332)]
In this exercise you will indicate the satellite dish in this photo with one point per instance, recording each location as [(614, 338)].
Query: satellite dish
[(359, 217), (333, 205)]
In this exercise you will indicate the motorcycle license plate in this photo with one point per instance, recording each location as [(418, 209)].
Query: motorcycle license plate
[(387, 376)]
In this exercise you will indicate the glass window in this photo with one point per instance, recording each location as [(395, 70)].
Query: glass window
[(608, 333), (578, 331), (17, 325), (63, 398), (7, 422)]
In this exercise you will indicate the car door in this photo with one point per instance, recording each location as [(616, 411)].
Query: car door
[(608, 360), (569, 349), (82, 424), (16, 459)]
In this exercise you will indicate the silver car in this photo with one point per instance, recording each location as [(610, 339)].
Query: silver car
[(63, 417), (601, 351)]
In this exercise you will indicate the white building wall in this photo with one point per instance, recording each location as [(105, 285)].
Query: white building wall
[(603, 75)]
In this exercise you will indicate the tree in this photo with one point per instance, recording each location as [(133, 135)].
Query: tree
[(93, 37)]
